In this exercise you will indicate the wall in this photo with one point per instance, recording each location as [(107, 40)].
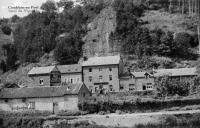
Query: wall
[(138, 83), (68, 102), (143, 81), (36, 79), (74, 76), (125, 82), (105, 73)]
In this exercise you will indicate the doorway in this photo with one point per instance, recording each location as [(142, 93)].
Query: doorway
[(55, 107)]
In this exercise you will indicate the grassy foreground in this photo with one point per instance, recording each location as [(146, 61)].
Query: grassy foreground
[(167, 121)]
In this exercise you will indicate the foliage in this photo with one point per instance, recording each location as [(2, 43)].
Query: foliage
[(15, 18), (6, 29), (68, 50), (137, 106), (3, 65), (20, 122), (49, 6), (11, 56), (172, 86), (71, 113)]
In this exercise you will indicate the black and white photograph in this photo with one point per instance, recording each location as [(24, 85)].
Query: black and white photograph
[(99, 63)]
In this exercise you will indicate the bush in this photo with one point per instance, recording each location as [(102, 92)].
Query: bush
[(72, 113), (21, 122), (6, 29), (137, 106), (31, 113)]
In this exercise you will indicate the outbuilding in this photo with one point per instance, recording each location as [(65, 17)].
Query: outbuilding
[(54, 99)]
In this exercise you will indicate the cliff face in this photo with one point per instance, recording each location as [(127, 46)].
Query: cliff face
[(97, 41)]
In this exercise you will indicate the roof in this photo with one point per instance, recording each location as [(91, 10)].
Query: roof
[(40, 92), (75, 68), (105, 60), (139, 74), (41, 70), (176, 72)]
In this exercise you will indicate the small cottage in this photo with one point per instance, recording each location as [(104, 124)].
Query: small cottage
[(137, 81), (54, 99)]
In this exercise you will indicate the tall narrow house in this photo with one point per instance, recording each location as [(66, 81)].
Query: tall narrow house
[(102, 73)]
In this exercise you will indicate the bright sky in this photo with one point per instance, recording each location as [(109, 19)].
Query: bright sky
[(7, 10)]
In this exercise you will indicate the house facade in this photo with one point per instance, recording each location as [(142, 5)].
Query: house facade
[(102, 73), (53, 99), (45, 76), (137, 81), (71, 73)]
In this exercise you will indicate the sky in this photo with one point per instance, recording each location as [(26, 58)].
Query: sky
[(8, 7)]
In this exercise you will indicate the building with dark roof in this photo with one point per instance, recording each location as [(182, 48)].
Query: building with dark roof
[(71, 73), (52, 99), (54, 75), (102, 73), (137, 81)]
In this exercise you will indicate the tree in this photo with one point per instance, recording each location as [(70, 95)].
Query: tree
[(15, 18), (66, 4), (3, 66), (68, 50), (49, 6), (6, 29)]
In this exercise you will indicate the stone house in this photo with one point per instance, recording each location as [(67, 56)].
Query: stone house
[(54, 99), (54, 75), (45, 76), (71, 73), (137, 81), (102, 73)]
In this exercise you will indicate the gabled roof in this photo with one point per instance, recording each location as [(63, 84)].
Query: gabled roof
[(175, 72), (40, 92), (105, 60), (140, 74), (41, 70), (74, 68)]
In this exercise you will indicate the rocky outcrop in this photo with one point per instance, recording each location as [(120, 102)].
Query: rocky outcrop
[(97, 41)]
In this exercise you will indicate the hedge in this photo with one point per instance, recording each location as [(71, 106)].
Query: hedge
[(155, 105)]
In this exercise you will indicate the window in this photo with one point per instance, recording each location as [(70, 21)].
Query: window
[(90, 88), (131, 87), (100, 69), (90, 78), (31, 105), (66, 80), (41, 82), (90, 69), (71, 80), (78, 80), (110, 69), (96, 89), (100, 78), (121, 87), (111, 88), (110, 77), (149, 86), (83, 94)]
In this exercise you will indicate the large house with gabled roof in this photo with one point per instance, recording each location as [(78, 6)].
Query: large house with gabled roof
[(102, 73)]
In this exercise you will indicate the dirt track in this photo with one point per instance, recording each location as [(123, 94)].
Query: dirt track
[(129, 120)]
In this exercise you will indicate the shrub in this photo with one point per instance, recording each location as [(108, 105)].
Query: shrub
[(137, 106), (71, 113), (6, 29)]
